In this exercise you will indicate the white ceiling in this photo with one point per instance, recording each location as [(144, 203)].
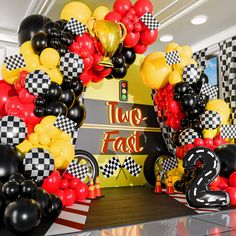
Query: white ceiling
[(174, 17)]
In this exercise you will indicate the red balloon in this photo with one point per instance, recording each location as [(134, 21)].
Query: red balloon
[(86, 43), (148, 36), (137, 27), (86, 76), (17, 86), (75, 47), (140, 48), (88, 62), (143, 6), (105, 72), (74, 183), (70, 196), (131, 39), (81, 192), (129, 26), (188, 147), (22, 77), (52, 182), (96, 78), (28, 111), (174, 106), (96, 59), (64, 184), (198, 142), (215, 183), (67, 176), (122, 6), (224, 183), (113, 16), (232, 179), (26, 97), (208, 142), (13, 103), (218, 141), (61, 194), (232, 194)]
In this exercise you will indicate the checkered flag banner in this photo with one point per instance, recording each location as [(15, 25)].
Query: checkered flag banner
[(76, 27), (77, 170), (109, 169), (65, 124), (169, 164), (228, 131), (14, 62), (200, 58), (133, 168), (209, 90), (149, 20), (172, 58)]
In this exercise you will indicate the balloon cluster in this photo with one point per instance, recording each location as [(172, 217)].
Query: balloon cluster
[(68, 188), (23, 204)]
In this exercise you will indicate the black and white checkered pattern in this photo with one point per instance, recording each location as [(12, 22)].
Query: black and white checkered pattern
[(65, 124), (71, 65), (109, 169), (149, 20), (169, 164), (210, 119), (13, 130), (37, 82), (227, 54), (209, 90), (187, 136), (228, 131), (133, 168), (191, 73), (76, 27), (74, 136), (200, 58), (172, 58), (38, 164), (77, 170), (14, 62)]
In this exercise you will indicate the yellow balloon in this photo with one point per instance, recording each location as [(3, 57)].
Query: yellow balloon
[(210, 133), (154, 70), (26, 48), (183, 62), (100, 12), (9, 76), (55, 75), (221, 107), (34, 138), (180, 167), (192, 61), (172, 46), (65, 136), (40, 129), (44, 139), (187, 51), (49, 58), (25, 146), (175, 77), (48, 120), (77, 10), (31, 61)]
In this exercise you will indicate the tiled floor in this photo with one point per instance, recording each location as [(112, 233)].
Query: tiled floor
[(220, 223)]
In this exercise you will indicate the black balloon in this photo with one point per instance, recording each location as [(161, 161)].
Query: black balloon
[(203, 79), (55, 42), (227, 155), (11, 190), (181, 88), (28, 188), (77, 87), (188, 101), (40, 101), (177, 96), (193, 113), (39, 42), (18, 177), (30, 26), (22, 215), (77, 113), (44, 200), (118, 60), (62, 50), (49, 26), (39, 111), (66, 83), (56, 206), (54, 91), (58, 108), (67, 97), (2, 209), (129, 55), (119, 73), (48, 110), (66, 39), (9, 162), (62, 23)]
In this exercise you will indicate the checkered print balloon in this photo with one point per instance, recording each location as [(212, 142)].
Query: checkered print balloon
[(71, 65), (37, 82), (191, 73), (38, 164), (210, 120), (187, 136), (13, 130)]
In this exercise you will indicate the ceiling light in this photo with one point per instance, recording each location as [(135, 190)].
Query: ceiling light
[(198, 20), (166, 38)]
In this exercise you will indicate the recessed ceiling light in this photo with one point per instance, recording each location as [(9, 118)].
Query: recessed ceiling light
[(198, 20), (166, 38)]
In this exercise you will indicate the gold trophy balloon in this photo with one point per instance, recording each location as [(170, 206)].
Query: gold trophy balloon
[(109, 34)]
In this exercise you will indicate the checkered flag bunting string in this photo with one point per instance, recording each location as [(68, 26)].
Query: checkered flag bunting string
[(169, 164), (65, 124), (77, 170), (228, 131), (112, 165), (209, 90), (172, 58), (149, 20), (76, 27), (133, 168), (14, 62)]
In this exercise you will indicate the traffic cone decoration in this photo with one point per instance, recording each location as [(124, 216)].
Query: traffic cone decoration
[(158, 187), (170, 188), (92, 194), (97, 188)]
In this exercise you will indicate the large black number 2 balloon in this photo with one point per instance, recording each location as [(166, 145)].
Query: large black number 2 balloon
[(198, 193)]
